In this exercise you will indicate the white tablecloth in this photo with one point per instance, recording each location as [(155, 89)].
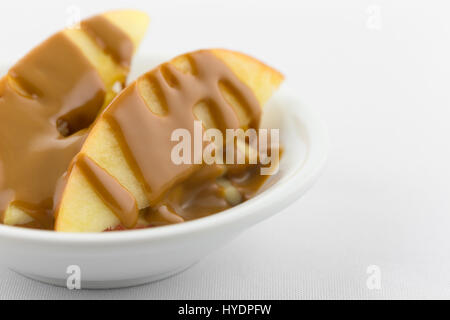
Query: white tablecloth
[(379, 73)]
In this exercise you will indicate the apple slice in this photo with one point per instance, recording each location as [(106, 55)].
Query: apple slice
[(128, 149), (49, 99)]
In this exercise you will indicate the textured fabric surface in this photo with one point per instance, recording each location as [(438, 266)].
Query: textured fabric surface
[(378, 74), (299, 254)]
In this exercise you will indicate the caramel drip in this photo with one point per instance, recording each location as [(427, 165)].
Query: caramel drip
[(52, 92), (119, 200), (110, 38), (163, 215), (146, 137)]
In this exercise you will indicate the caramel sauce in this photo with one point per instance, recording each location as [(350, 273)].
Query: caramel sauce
[(162, 215), (196, 197), (111, 191), (110, 38), (181, 192), (45, 100), (202, 194)]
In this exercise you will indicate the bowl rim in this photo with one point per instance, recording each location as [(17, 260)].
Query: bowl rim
[(283, 195)]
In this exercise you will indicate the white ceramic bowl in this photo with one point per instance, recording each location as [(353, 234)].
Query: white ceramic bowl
[(128, 258)]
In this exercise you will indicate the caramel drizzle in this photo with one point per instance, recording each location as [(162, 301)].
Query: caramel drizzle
[(119, 200), (145, 137), (54, 83), (110, 38)]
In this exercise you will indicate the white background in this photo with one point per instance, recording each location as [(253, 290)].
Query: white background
[(379, 74)]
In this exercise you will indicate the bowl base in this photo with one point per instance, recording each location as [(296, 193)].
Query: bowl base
[(107, 284)]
